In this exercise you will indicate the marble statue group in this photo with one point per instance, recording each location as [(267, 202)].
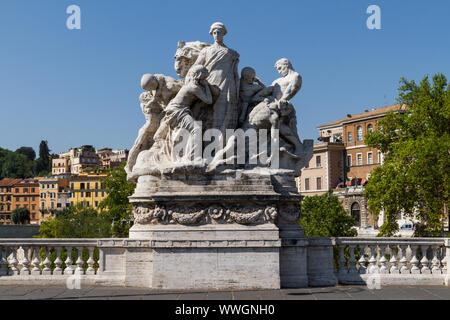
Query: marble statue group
[(215, 95)]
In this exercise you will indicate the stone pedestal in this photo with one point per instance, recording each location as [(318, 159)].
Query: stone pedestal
[(236, 230)]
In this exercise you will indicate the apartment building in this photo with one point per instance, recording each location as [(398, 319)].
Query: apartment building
[(343, 163), (6, 199), (87, 189), (75, 161), (54, 195), (25, 194)]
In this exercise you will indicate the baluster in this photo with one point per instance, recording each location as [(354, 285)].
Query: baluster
[(414, 261), (373, 267), (424, 261), (3, 261), (36, 262), (352, 260), (91, 262), (69, 268), (14, 262), (393, 261), (383, 260), (47, 262), (25, 262), (58, 262), (79, 262), (403, 261), (342, 261), (362, 261), (444, 264), (436, 262)]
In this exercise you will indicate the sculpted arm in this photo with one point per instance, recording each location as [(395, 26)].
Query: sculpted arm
[(259, 96), (205, 96)]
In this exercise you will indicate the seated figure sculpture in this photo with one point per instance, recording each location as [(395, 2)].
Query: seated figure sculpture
[(275, 110), (160, 90), (178, 119), (247, 91)]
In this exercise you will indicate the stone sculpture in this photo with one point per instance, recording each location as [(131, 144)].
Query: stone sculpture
[(192, 182), (214, 96)]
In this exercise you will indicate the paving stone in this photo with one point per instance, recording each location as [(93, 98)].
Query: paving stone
[(298, 294), (218, 295), (329, 293)]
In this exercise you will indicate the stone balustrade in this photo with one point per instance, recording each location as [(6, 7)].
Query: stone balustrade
[(413, 261), (129, 262), (48, 257)]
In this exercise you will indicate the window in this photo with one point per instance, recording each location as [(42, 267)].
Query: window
[(33, 216), (17, 190), (88, 186), (103, 194), (96, 185), (318, 162), (359, 132), (33, 207), (307, 184), (25, 190), (82, 194), (356, 214), (96, 194), (349, 160), (25, 199), (370, 128), (319, 183), (33, 190), (72, 186), (82, 186), (53, 186), (359, 161), (369, 158), (96, 203), (380, 157), (52, 205), (87, 203), (349, 139), (42, 205), (88, 194)]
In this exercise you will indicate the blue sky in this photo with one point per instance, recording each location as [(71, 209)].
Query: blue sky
[(75, 87)]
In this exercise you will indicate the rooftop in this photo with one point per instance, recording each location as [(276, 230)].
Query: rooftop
[(368, 113)]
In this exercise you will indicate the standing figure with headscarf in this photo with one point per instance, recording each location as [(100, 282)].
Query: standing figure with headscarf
[(222, 64)]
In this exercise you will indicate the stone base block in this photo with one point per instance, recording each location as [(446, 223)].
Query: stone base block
[(213, 257)]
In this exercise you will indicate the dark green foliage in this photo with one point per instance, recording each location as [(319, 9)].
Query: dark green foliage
[(16, 165), (21, 216), (415, 175), (44, 162), (324, 216), (28, 152), (116, 204), (22, 164), (77, 222)]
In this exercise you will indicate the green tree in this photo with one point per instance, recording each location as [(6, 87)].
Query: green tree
[(414, 178), (28, 152), (324, 216), (21, 216), (76, 222), (16, 165), (44, 162), (116, 204)]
